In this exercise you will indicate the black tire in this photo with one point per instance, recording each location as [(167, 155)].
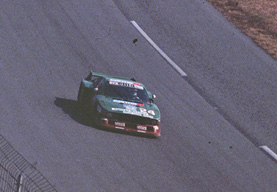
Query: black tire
[(96, 116)]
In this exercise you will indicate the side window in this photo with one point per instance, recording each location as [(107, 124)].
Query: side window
[(96, 81), (101, 84)]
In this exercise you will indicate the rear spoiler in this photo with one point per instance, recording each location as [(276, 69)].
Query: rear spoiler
[(105, 75), (97, 74), (88, 78)]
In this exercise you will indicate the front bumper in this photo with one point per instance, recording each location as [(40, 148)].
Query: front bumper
[(148, 129)]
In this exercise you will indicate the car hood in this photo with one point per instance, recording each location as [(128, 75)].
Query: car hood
[(141, 109)]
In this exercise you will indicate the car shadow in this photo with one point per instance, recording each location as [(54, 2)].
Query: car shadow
[(74, 110), (81, 115)]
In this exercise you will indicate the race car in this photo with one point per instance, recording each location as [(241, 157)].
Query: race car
[(119, 103)]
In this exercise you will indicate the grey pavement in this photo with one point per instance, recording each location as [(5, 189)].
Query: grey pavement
[(47, 47)]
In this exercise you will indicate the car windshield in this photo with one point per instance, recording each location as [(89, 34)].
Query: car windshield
[(126, 92)]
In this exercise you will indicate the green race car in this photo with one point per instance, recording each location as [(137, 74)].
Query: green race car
[(120, 103)]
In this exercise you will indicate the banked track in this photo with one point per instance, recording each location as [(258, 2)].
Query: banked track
[(46, 48)]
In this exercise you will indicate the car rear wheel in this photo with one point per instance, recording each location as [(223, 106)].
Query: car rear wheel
[(81, 95), (96, 116)]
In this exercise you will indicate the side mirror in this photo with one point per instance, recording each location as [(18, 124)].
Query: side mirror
[(152, 98), (95, 89)]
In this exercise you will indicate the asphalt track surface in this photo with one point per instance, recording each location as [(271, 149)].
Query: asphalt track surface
[(213, 122)]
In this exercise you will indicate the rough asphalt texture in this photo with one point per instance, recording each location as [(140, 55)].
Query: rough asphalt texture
[(47, 47)]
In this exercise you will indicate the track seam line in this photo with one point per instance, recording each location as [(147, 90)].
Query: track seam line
[(160, 51)]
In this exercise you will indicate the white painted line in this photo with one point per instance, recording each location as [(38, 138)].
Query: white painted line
[(269, 151), (172, 63), (20, 183)]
